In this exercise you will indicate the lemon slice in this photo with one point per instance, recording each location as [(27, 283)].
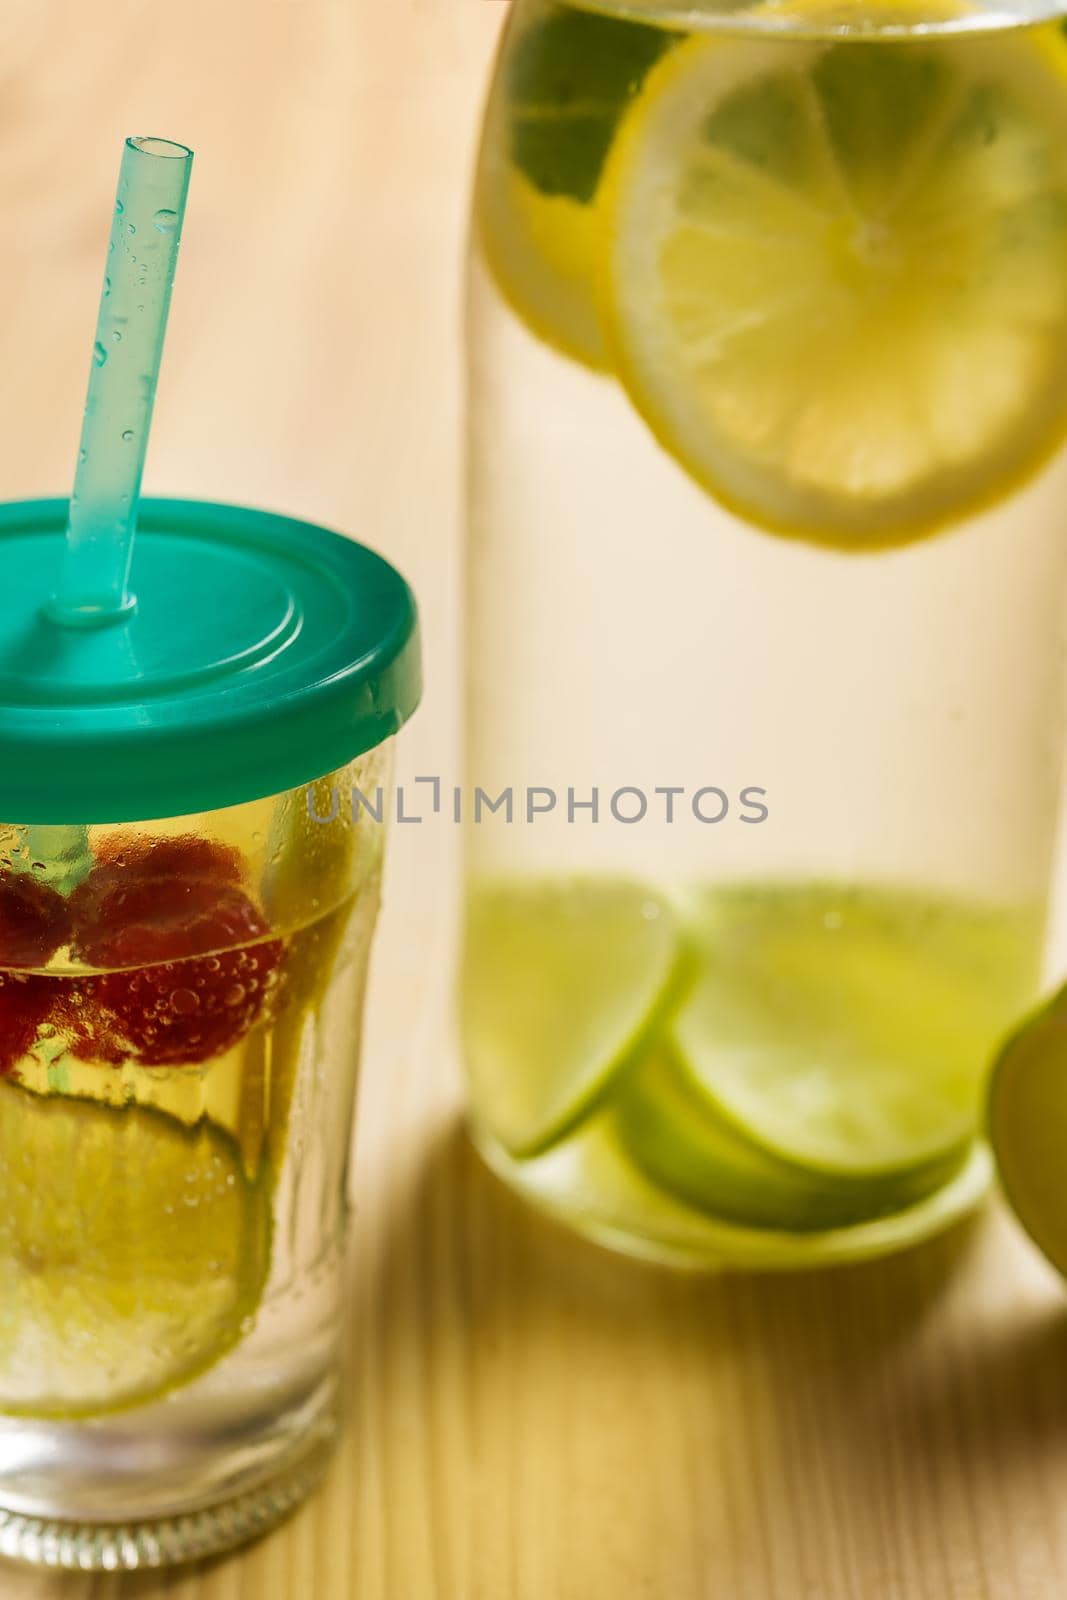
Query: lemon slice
[(835, 274), (541, 251), (131, 1252), (562, 982), (1028, 1126), (565, 79), (849, 1032)]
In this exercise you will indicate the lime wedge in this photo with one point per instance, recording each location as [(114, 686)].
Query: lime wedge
[(849, 1032), (835, 277), (672, 1132), (132, 1250), (562, 983), (1028, 1126)]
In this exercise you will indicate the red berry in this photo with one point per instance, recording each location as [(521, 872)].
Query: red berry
[(34, 921), (87, 1029), (148, 920), (134, 874), (125, 856), (184, 977), (24, 1004), (178, 1012)]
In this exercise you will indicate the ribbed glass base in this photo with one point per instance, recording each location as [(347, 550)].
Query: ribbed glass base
[(130, 1546), (121, 1494)]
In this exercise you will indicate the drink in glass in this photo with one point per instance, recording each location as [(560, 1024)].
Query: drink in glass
[(768, 404), (185, 925)]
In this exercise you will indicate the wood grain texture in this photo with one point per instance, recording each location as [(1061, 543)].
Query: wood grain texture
[(532, 1419)]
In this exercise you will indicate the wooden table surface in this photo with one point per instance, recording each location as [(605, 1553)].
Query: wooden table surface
[(532, 1419)]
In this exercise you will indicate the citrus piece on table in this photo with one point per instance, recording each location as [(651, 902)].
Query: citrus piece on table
[(849, 1032), (562, 983), (835, 274), (1028, 1126), (566, 77), (132, 1251)]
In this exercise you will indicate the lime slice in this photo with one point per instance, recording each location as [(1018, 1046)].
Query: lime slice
[(835, 275), (1028, 1126), (562, 982), (848, 1032), (318, 851), (131, 1252), (318, 955), (566, 78), (591, 1183), (672, 1132), (323, 879)]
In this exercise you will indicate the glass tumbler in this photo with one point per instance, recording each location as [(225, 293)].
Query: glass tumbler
[(181, 997)]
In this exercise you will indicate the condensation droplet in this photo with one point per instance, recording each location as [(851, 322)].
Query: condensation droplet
[(166, 221), (131, 227), (119, 207), (127, 435), (99, 354), (117, 336)]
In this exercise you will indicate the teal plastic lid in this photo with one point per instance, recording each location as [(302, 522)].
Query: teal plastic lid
[(263, 652)]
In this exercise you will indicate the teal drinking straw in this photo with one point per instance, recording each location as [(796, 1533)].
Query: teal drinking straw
[(142, 254)]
